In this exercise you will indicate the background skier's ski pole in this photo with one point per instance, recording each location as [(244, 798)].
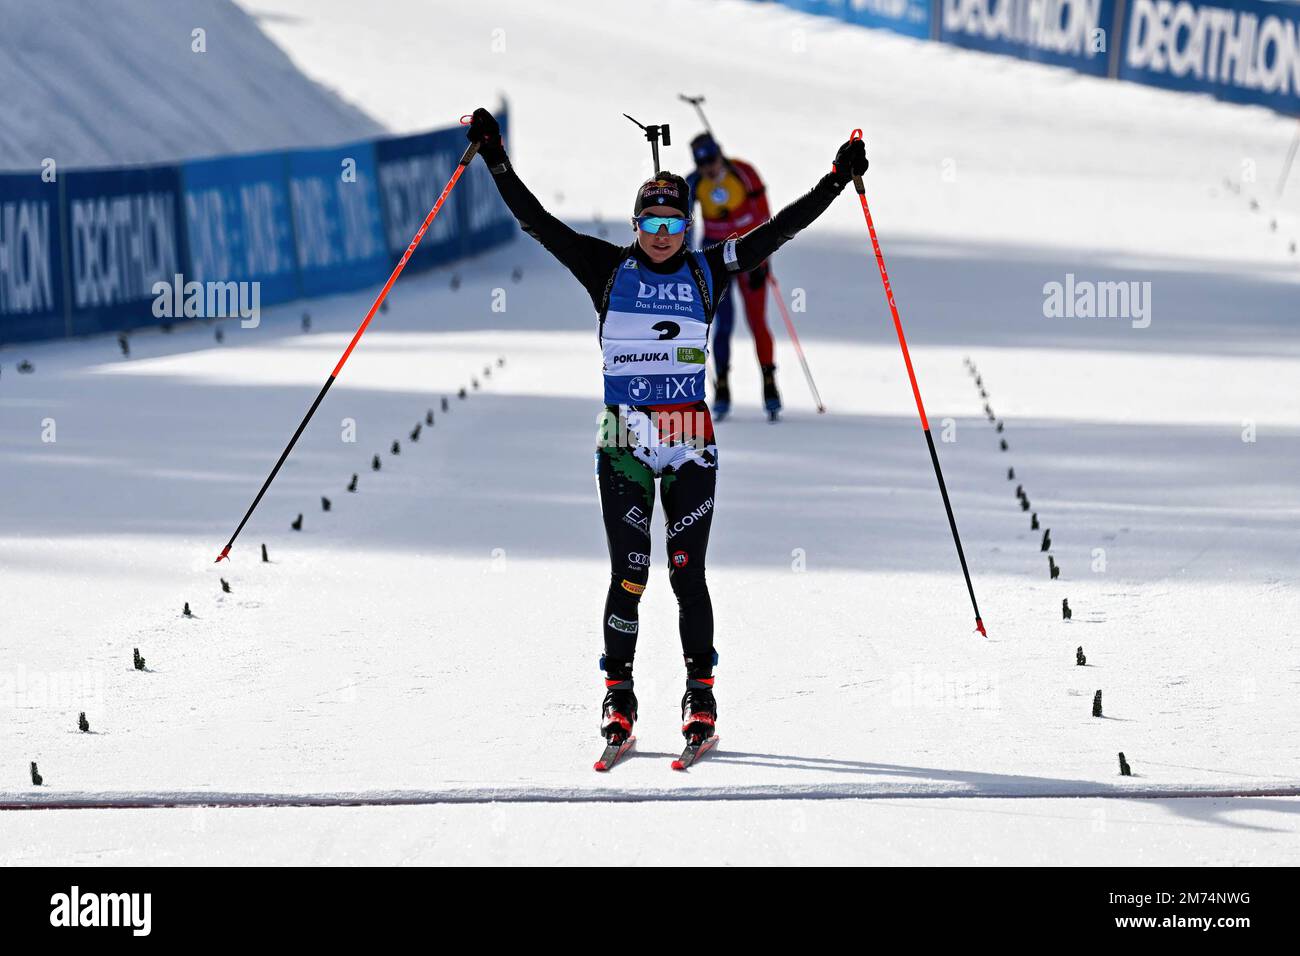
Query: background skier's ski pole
[(812, 386), (916, 391), (1286, 166), (698, 103), (361, 329)]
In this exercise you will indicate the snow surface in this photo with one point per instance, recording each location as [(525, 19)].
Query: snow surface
[(431, 642), (119, 81)]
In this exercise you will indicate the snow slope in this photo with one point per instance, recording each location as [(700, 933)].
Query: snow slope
[(964, 146), (118, 81), (428, 647)]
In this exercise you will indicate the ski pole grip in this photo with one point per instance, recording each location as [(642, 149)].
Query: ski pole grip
[(473, 147), (857, 180)]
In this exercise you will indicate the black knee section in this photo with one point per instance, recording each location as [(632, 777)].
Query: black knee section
[(625, 590), (622, 615), (689, 585), (694, 615)]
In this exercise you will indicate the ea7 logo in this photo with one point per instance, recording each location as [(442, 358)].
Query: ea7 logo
[(666, 291), (637, 519), (74, 909)]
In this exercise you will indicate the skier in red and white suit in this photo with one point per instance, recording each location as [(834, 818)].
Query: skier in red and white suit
[(733, 200)]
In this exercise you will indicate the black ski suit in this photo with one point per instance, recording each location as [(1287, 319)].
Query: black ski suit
[(625, 477)]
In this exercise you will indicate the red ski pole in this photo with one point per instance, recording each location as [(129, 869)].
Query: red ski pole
[(807, 373), (916, 391), (361, 330)]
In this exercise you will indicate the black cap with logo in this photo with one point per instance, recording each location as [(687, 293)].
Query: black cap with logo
[(666, 189)]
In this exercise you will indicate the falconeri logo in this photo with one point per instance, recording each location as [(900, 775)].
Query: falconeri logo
[(688, 519), (75, 909)]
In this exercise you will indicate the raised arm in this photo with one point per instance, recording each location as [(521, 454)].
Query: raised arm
[(589, 258), (748, 251)]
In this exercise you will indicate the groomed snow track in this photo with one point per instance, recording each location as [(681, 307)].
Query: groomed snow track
[(489, 795)]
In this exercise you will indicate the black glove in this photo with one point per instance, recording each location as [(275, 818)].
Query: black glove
[(850, 161), (486, 131), (757, 276)]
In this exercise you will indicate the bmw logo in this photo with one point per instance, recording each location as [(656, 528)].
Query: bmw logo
[(639, 388)]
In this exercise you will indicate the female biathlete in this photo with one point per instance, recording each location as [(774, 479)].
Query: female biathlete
[(655, 301)]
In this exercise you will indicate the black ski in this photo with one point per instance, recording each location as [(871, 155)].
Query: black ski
[(694, 751), (613, 753)]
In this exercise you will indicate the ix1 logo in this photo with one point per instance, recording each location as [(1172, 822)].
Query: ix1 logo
[(75, 909)]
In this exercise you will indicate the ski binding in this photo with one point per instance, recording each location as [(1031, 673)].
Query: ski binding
[(694, 751), (613, 753)]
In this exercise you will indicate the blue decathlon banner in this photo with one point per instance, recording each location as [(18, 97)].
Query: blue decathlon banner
[(1245, 51), (337, 222), (240, 225), (412, 173), (1073, 33), (912, 17), (124, 234), (31, 266), (484, 218), (85, 253)]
